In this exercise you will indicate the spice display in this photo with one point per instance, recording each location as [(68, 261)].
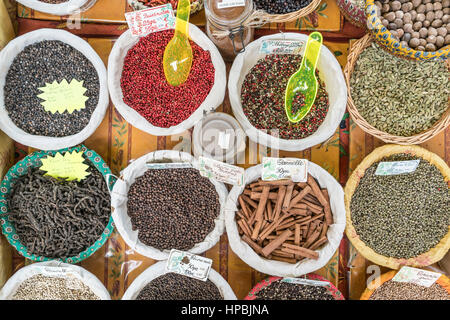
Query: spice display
[(173, 208), (263, 93), (403, 215), (54, 218), (173, 286), (284, 221), (43, 63), (226, 27), (146, 90), (279, 290), (398, 96), (40, 287), (393, 290), (418, 24), (281, 6)]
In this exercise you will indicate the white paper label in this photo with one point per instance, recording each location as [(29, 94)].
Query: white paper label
[(220, 171), (55, 272), (281, 47), (189, 264), (224, 140), (230, 4), (396, 167), (284, 168), (413, 275), (169, 165), (150, 20), (306, 282)]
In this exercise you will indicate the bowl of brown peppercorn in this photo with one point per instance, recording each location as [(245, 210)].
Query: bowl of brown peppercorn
[(58, 7)]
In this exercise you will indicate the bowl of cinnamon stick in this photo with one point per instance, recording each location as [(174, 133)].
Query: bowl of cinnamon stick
[(284, 228)]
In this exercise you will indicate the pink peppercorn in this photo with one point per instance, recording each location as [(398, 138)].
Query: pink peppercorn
[(146, 90)]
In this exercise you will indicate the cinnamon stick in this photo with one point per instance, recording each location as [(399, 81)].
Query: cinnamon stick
[(283, 182), (274, 244), (288, 195), (252, 244), (307, 253), (300, 196), (327, 208), (280, 198), (262, 204)]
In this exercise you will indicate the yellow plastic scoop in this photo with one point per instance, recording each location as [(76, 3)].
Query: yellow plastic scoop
[(301, 90), (177, 60)]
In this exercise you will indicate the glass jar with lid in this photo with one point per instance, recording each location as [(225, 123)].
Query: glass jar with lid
[(225, 25)]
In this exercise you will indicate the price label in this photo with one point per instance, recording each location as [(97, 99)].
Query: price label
[(306, 282), (417, 276), (220, 171), (281, 47), (396, 167), (169, 165), (230, 4), (189, 264), (284, 168), (71, 166), (150, 20), (63, 96)]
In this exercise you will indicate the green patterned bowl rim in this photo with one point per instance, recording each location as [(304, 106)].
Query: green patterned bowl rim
[(21, 168), (384, 37)]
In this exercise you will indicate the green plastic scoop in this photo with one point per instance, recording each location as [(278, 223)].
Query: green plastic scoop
[(177, 60), (301, 89)]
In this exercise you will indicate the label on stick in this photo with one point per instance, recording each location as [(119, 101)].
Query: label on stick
[(284, 168), (220, 171), (151, 20), (281, 47), (396, 167), (306, 282), (224, 4), (420, 277), (189, 264)]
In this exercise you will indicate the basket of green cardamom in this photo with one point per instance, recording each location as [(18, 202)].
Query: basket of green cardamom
[(397, 207), (396, 100)]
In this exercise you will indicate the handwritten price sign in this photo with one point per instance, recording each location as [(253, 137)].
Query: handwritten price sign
[(150, 20)]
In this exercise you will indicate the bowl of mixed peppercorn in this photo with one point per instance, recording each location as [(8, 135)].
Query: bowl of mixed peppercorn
[(257, 84)]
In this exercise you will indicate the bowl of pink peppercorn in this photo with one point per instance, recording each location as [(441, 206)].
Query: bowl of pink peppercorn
[(141, 93)]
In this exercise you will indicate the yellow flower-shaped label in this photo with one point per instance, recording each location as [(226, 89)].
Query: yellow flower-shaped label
[(71, 166), (64, 96)]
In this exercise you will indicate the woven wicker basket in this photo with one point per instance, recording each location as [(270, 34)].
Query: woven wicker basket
[(440, 125), (433, 255), (292, 16), (443, 281), (352, 13), (384, 37), (196, 6)]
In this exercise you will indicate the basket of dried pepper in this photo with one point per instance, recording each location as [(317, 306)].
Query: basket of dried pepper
[(281, 11), (394, 115), (48, 215), (196, 5), (396, 204), (384, 288)]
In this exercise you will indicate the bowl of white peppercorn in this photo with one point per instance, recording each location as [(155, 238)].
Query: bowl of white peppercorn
[(416, 29)]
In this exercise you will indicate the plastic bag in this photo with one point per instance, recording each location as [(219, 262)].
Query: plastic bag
[(54, 269), (7, 56), (215, 97), (284, 269), (159, 269), (330, 72), (59, 9), (119, 204)]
